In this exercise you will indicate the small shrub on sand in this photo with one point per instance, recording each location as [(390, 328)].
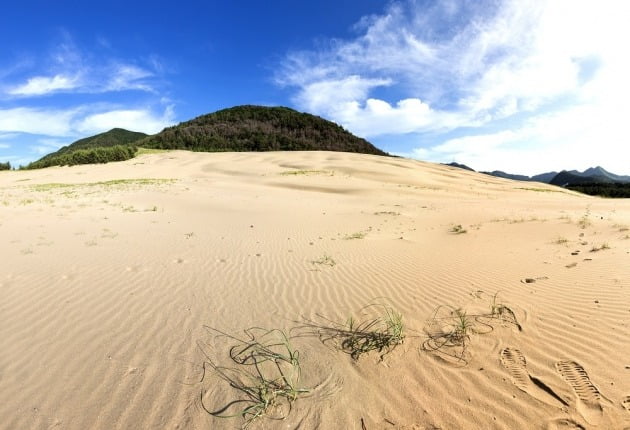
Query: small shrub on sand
[(561, 240), (381, 330), (450, 329), (387, 213), (357, 235), (458, 229), (601, 247), (325, 260), (265, 376)]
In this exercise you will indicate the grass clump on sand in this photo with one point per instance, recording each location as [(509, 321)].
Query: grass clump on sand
[(381, 330), (325, 260), (110, 183), (265, 376), (458, 229), (146, 151), (306, 172), (601, 247), (539, 190), (561, 240), (450, 329), (357, 235)]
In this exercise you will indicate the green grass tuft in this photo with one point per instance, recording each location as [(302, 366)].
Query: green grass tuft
[(381, 329), (450, 329), (265, 376)]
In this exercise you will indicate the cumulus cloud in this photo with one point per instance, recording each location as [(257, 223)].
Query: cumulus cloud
[(37, 121), (131, 119), (471, 69)]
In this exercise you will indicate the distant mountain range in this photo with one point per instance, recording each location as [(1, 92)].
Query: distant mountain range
[(593, 175)]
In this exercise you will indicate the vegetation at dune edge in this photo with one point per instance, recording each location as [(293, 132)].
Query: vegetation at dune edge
[(116, 144), (5, 166), (264, 375), (86, 156), (259, 128)]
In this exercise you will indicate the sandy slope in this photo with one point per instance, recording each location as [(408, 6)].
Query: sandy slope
[(107, 288)]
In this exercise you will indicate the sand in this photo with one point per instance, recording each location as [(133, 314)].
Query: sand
[(115, 277)]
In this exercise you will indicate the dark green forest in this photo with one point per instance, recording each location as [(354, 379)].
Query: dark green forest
[(613, 190), (5, 166), (86, 156)]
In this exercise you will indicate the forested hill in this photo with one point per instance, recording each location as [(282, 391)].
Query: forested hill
[(113, 137), (259, 128), (114, 145)]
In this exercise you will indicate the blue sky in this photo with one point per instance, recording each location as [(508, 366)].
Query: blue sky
[(524, 87)]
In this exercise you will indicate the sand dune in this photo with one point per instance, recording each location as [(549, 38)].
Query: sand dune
[(116, 277)]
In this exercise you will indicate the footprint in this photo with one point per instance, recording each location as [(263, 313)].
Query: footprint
[(589, 398), (564, 424), (514, 361), (625, 402)]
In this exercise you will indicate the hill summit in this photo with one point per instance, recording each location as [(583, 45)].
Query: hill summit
[(259, 128)]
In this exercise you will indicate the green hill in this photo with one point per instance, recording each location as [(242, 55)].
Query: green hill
[(258, 128), (113, 145), (113, 137), (238, 129)]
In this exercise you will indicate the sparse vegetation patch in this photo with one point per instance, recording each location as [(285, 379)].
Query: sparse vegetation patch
[(379, 329), (450, 329), (264, 376)]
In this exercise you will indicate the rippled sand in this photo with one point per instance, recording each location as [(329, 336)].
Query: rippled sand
[(114, 277)]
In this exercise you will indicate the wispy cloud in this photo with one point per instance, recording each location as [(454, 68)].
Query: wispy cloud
[(470, 69), (40, 85), (83, 120), (76, 71)]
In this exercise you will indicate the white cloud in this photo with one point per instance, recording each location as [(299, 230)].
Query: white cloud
[(88, 79), (70, 70), (83, 120), (554, 72), (37, 121), (126, 77), (316, 96), (131, 119), (40, 85)]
